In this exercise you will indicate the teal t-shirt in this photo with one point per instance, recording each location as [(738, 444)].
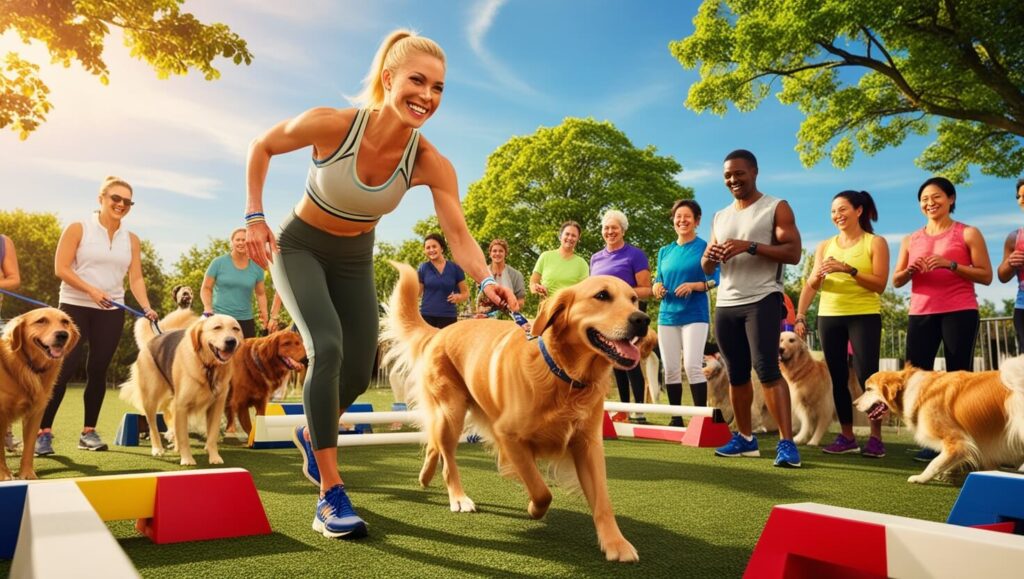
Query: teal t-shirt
[(233, 287), (557, 273), (679, 264)]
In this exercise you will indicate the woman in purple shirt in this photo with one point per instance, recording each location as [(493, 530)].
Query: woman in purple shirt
[(630, 264)]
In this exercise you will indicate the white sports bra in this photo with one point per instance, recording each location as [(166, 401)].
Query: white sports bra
[(335, 187)]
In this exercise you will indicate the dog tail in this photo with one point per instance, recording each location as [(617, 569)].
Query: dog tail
[(129, 391), (1011, 372), (405, 332), (176, 320)]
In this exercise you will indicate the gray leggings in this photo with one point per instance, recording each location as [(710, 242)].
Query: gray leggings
[(326, 283)]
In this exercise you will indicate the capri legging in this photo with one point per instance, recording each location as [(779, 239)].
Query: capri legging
[(749, 335), (686, 343), (327, 284), (956, 331), (101, 330), (865, 333)]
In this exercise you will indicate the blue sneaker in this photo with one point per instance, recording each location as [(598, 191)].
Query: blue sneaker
[(336, 518), (44, 444), (739, 446), (309, 467), (787, 456)]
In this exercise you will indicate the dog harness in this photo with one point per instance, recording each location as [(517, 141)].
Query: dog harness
[(334, 185), (162, 349), (555, 369)]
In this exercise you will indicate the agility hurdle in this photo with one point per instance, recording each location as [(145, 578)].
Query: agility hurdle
[(707, 426)]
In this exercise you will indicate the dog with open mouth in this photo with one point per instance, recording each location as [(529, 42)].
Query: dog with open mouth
[(260, 367), (181, 372), (32, 351), (529, 399), (182, 295), (975, 418)]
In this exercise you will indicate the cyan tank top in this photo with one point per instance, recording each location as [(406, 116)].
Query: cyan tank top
[(334, 185)]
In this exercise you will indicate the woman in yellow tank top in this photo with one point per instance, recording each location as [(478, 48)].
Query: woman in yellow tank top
[(851, 271)]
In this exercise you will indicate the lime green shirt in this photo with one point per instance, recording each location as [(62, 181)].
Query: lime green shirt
[(841, 295), (557, 273)]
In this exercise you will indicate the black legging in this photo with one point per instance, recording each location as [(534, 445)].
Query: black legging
[(1018, 328), (101, 329), (626, 378), (865, 333), (956, 331)]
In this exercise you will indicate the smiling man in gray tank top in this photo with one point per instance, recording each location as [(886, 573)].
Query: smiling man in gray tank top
[(752, 238)]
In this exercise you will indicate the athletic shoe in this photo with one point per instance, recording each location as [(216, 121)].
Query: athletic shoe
[(336, 518), (873, 449), (637, 418), (841, 445), (786, 455), (739, 446), (91, 441), (10, 444), (925, 455), (44, 444), (309, 467), (676, 421)]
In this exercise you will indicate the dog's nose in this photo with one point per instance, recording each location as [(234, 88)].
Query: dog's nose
[(639, 322), (230, 344), (60, 338)]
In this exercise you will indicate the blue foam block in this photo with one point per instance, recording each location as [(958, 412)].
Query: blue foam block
[(362, 428), (132, 424), (990, 497), (12, 506)]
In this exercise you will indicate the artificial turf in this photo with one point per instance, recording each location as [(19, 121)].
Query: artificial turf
[(688, 513)]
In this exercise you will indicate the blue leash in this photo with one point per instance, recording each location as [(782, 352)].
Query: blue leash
[(138, 314), (24, 298)]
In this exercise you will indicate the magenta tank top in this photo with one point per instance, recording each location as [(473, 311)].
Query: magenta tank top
[(940, 291)]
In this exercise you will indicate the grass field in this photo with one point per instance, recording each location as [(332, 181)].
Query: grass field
[(688, 513)]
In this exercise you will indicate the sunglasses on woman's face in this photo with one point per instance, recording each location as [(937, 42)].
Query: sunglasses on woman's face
[(118, 200)]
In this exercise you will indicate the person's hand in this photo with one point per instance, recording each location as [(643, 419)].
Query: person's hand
[(260, 243), (920, 265), (100, 297), (936, 262), (501, 295), (683, 290), (453, 298), (832, 265), (539, 289), (265, 322), (800, 327), (658, 290), (1016, 259), (726, 250), (151, 314)]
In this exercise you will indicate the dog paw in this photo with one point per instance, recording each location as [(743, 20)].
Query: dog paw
[(918, 479), (463, 505), (538, 509), (188, 461), (216, 459), (28, 475), (620, 550), (6, 475), (158, 452)]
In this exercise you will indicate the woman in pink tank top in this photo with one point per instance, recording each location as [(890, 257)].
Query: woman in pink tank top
[(1012, 267), (942, 261)]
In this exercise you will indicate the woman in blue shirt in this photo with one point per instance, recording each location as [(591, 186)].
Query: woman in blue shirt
[(683, 320), (442, 284), (229, 285)]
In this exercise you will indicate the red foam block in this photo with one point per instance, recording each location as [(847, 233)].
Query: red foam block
[(205, 506), (608, 430), (1004, 527), (659, 434), (705, 432), (798, 545)]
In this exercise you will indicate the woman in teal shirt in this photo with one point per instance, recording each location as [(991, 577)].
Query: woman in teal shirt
[(230, 282)]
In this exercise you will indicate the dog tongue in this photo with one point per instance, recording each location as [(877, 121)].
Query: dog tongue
[(877, 410), (627, 351), (56, 351)]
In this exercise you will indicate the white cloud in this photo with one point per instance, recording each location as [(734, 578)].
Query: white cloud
[(481, 20)]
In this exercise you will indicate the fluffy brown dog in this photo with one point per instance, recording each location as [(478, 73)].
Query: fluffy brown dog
[(182, 372), (259, 367), (810, 388), (32, 351), (761, 420), (969, 417), (488, 368)]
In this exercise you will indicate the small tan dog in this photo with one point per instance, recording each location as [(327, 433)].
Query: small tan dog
[(32, 352), (810, 389), (761, 420), (969, 417), (515, 399), (183, 372)]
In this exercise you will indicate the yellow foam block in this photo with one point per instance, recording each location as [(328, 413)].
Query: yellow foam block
[(274, 409), (116, 499)]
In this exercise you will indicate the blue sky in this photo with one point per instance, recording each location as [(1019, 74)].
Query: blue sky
[(513, 66)]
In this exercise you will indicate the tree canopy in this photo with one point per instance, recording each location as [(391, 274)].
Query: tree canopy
[(575, 171), (868, 74), (156, 31)]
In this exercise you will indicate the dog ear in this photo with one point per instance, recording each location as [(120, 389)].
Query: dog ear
[(15, 329), (73, 335), (174, 292), (553, 311), (196, 334)]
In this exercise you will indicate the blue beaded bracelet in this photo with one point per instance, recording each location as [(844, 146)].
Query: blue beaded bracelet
[(489, 280)]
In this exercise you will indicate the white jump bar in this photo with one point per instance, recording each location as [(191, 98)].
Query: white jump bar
[(669, 409), (293, 420)]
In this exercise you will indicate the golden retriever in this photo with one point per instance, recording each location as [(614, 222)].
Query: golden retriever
[(32, 352), (761, 420), (810, 388), (975, 418), (259, 367), (183, 372), (488, 368)]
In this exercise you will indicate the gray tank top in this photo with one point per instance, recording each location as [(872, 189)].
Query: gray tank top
[(746, 278)]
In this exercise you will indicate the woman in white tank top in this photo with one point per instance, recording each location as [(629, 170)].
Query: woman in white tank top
[(92, 259)]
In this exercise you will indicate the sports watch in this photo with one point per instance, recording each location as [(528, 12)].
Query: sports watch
[(853, 271), (752, 250)]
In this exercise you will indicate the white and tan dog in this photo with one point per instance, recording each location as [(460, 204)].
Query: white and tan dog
[(761, 420), (183, 372), (975, 418)]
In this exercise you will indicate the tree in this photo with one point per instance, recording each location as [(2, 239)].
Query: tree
[(867, 74), (409, 251), (35, 237), (155, 31), (575, 171)]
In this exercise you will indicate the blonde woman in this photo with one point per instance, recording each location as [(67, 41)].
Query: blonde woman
[(364, 160), (93, 257)]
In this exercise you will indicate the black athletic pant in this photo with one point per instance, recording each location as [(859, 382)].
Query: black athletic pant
[(440, 322), (1018, 327), (956, 331), (865, 333), (634, 378), (101, 330)]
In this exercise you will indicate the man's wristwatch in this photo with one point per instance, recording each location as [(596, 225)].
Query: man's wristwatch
[(752, 250)]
